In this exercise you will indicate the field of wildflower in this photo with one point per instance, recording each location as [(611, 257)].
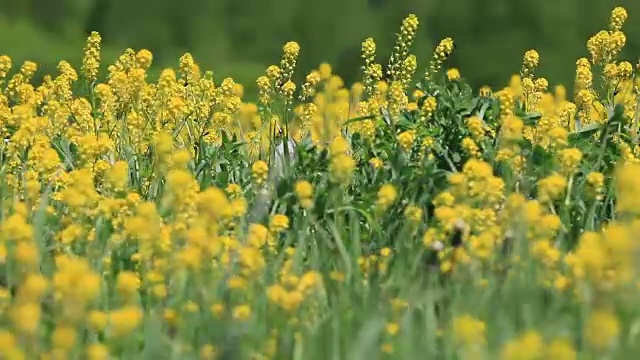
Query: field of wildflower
[(406, 216)]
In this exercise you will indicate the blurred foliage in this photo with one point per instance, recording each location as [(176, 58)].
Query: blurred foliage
[(219, 33)]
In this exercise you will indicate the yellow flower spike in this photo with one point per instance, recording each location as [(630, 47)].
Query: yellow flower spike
[(530, 62), (618, 18), (440, 54), (144, 58), (5, 66), (91, 59)]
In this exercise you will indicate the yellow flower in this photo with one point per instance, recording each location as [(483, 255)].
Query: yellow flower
[(190, 307), (241, 312), (207, 352), (288, 89), (303, 189), (7, 340), (26, 317), (259, 172), (476, 127), (308, 280), (558, 137), (406, 139), (257, 235), (239, 206), (238, 90), (217, 309), (125, 320), (181, 158), (234, 190), (304, 192), (529, 346), (485, 91), (128, 284), (376, 163), (33, 288), (251, 259), (97, 352), (386, 196), (63, 337), (601, 329), (470, 147), (341, 168), (530, 60), (551, 187), (560, 349), (191, 257), (97, 320), (512, 128), (413, 213), (325, 70), (618, 18), (453, 74), (71, 233), (337, 276), (118, 175), (626, 181), (338, 146), (468, 331), (27, 254), (144, 58), (570, 159), (392, 328), (278, 223)]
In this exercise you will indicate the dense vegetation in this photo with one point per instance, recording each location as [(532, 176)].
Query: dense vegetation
[(388, 218)]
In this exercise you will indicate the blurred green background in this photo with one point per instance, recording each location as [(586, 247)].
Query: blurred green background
[(239, 38)]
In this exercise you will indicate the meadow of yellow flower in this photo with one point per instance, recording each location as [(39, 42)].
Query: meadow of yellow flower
[(405, 216)]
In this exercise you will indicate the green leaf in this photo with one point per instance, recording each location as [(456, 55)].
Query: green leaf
[(586, 131), (531, 118), (358, 119)]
